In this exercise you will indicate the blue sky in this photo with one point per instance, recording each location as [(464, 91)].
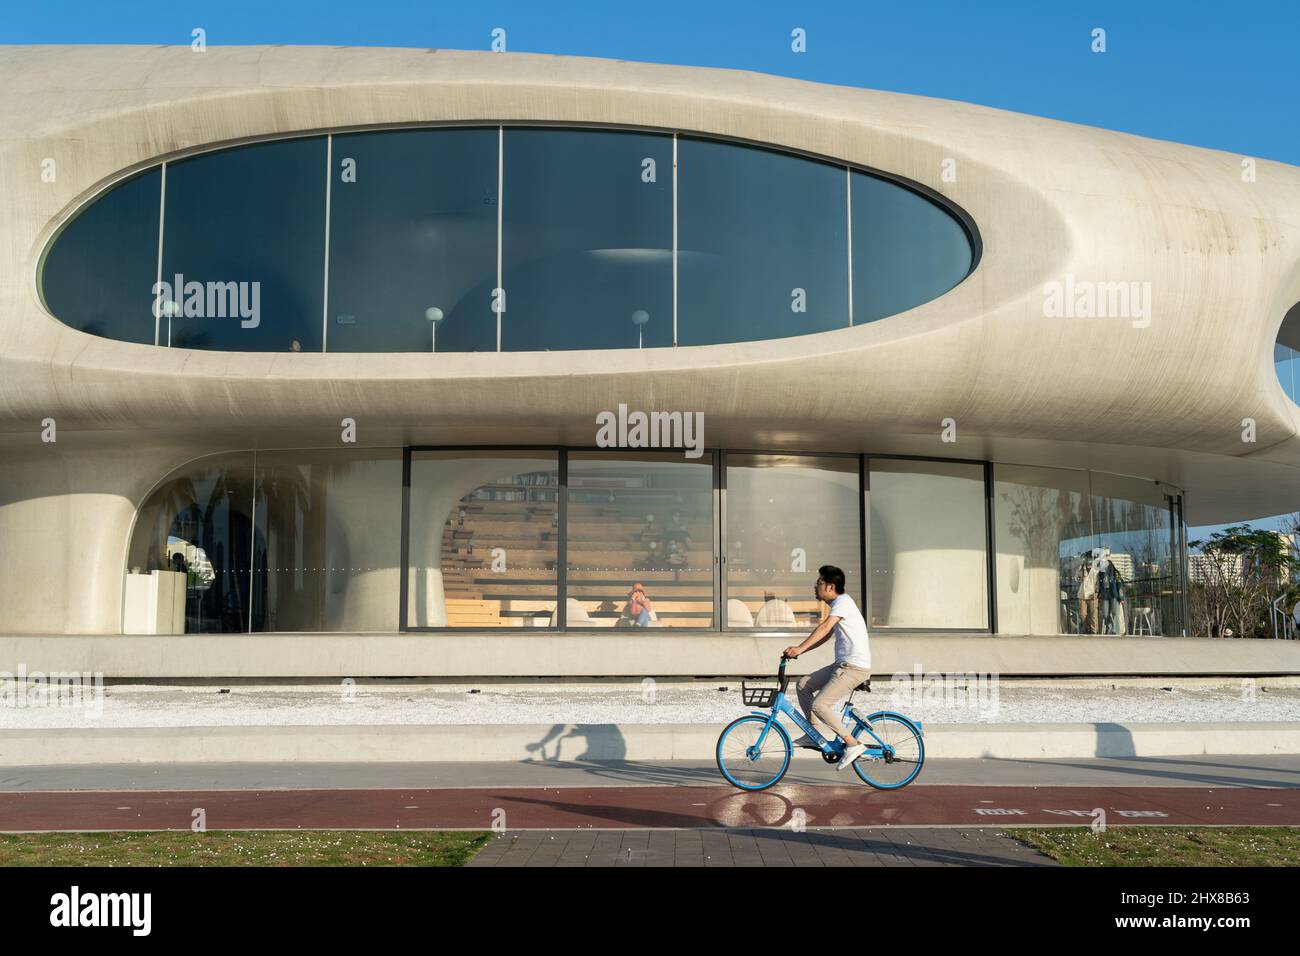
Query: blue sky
[(1211, 74)]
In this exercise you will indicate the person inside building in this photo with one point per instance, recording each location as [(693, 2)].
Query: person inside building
[(637, 611)]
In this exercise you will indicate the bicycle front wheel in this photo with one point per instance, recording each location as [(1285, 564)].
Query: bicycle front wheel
[(897, 763), (752, 755)]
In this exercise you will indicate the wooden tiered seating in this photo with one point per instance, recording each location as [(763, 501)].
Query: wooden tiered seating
[(607, 548)]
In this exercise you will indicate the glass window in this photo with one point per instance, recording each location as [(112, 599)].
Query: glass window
[(906, 249), (483, 539), (331, 551), (786, 516), (1284, 361), (1042, 528), (245, 228), (929, 550), (413, 228), (198, 524), (762, 244), (1084, 553), (644, 520), (98, 275), (587, 240), (1133, 528), (585, 245), (1286, 353)]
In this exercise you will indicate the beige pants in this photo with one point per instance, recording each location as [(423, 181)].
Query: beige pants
[(823, 691)]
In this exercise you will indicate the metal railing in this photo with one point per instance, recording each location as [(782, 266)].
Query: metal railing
[(1284, 625)]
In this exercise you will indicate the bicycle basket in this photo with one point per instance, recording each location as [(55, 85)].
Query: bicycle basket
[(757, 696)]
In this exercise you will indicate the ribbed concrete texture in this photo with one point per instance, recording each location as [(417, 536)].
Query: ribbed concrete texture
[(602, 742)]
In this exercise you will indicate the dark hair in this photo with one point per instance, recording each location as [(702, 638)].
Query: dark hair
[(832, 576)]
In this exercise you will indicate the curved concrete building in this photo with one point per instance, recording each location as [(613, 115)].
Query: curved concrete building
[(305, 352)]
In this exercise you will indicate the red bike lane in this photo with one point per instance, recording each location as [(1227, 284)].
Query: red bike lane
[(617, 807)]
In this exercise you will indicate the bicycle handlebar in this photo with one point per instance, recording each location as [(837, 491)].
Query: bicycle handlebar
[(780, 674)]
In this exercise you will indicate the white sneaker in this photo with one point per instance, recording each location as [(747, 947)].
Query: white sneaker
[(808, 743), (850, 755)]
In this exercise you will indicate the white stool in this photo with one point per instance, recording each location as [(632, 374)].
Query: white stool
[(1142, 623)]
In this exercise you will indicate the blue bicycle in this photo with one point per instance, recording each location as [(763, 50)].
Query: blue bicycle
[(754, 751)]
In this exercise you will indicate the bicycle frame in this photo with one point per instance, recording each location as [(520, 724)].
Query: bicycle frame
[(782, 705)]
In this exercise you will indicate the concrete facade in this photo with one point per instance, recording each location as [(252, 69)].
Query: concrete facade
[(1050, 199)]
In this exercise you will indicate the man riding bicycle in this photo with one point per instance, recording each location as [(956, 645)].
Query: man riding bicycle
[(822, 691)]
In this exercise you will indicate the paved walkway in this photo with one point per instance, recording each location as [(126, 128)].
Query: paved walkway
[(618, 808), (1282, 770), (678, 795), (759, 847)]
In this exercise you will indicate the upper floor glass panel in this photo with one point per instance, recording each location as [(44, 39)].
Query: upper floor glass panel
[(472, 239)]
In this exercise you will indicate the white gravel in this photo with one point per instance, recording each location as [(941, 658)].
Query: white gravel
[(401, 702)]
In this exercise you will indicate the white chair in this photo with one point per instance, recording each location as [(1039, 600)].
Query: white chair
[(775, 613), (738, 615), (576, 614)]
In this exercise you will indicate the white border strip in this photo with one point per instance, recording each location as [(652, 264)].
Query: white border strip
[(848, 202), (674, 240), (501, 174), (162, 212)]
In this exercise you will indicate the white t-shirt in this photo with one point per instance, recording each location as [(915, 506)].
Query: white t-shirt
[(850, 633)]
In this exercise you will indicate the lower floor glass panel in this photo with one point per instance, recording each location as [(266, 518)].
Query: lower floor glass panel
[(787, 515), (1085, 553), (312, 540), (640, 541), (192, 551), (331, 552), (928, 544), (484, 539)]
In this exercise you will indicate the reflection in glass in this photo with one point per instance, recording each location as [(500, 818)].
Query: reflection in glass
[(762, 244), (332, 548), (786, 515), (929, 551), (587, 240), (249, 225), (1042, 526), (198, 523), (99, 273), (906, 249), (483, 539), (1084, 553), (1132, 523), (413, 228), (640, 519)]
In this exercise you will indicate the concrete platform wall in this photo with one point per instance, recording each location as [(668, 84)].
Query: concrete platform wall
[(607, 654)]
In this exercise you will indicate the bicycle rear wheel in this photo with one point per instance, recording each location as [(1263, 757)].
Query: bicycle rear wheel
[(902, 757), (747, 764)]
